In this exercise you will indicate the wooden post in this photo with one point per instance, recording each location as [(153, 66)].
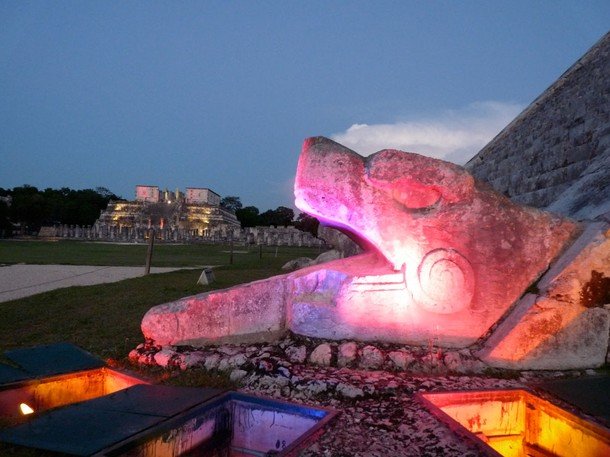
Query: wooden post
[(231, 256), (149, 253)]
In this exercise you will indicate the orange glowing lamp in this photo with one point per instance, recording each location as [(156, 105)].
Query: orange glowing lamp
[(25, 409)]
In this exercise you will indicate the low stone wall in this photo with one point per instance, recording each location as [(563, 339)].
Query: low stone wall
[(266, 236), (307, 351), (68, 231)]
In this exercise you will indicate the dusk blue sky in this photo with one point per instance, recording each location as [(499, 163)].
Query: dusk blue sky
[(221, 94)]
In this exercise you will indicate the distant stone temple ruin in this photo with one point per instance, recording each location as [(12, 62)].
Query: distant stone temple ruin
[(174, 215), (191, 216)]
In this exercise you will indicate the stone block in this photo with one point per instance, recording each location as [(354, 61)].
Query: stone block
[(296, 264), (206, 277), (349, 391), (401, 359), (347, 353), (327, 256), (250, 312), (553, 335), (296, 354), (566, 325), (321, 355), (568, 276), (371, 358), (164, 357)]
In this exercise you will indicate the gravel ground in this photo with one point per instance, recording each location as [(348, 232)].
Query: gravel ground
[(380, 414), (18, 281), (387, 420)]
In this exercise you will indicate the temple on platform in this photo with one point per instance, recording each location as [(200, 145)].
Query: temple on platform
[(195, 213), (180, 217)]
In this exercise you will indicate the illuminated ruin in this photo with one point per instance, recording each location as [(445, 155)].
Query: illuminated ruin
[(446, 259), (175, 215)]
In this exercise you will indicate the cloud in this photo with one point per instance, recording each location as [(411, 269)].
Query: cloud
[(453, 135)]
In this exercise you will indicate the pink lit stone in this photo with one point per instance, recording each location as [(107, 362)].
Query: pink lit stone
[(465, 252), (557, 328), (445, 258), (249, 312)]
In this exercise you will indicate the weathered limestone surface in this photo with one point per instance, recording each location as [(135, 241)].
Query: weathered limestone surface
[(339, 241), (295, 264), (249, 312), (569, 276), (556, 154), (454, 240), (446, 258), (553, 335), (565, 325)]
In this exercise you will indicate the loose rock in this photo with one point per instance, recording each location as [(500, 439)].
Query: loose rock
[(211, 361), (347, 353), (238, 375), (321, 355), (297, 263), (164, 356), (349, 391), (371, 357), (401, 359), (191, 360), (296, 354)]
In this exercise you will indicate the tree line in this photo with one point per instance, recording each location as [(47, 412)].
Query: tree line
[(31, 208), (250, 216)]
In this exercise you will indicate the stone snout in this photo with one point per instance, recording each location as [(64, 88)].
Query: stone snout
[(466, 252)]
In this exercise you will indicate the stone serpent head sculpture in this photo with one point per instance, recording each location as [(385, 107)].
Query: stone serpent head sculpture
[(446, 258), (461, 245)]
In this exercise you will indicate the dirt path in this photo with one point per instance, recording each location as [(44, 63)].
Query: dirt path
[(18, 281)]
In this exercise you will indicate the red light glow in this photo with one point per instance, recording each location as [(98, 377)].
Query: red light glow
[(517, 423), (60, 390)]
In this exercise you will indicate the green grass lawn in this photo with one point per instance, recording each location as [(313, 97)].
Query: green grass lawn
[(165, 255), (105, 319)]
